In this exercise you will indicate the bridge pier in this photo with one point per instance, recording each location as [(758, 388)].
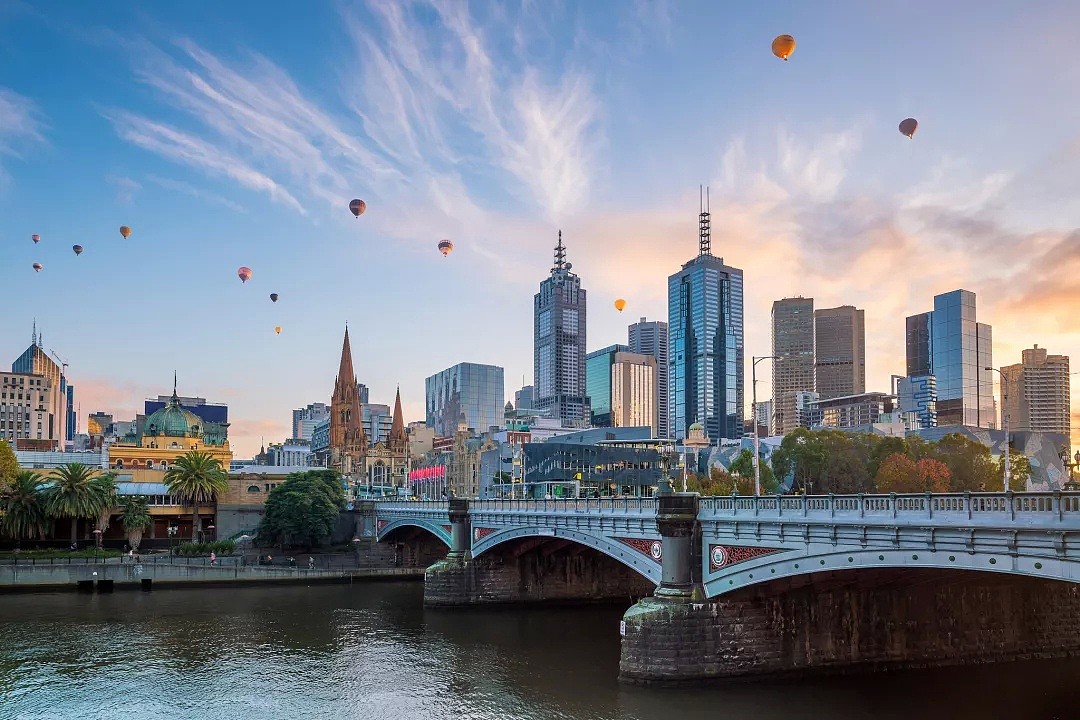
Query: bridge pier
[(844, 622)]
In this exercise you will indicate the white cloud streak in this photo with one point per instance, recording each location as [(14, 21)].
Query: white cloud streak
[(20, 125)]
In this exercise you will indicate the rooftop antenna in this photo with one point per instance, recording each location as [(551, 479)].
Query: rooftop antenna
[(704, 223), (560, 255), (33, 337)]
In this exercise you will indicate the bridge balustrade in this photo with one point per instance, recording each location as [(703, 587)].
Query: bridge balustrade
[(615, 506)]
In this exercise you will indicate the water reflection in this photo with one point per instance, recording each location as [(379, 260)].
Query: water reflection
[(372, 651)]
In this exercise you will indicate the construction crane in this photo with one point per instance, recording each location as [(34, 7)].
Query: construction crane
[(63, 365)]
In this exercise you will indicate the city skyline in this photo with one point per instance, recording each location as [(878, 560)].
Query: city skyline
[(597, 139)]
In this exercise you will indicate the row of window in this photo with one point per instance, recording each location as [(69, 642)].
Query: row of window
[(163, 465)]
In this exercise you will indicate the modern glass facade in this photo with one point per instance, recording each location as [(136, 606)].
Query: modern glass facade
[(633, 391), (918, 394), (950, 344), (598, 383), (705, 348), (651, 338), (594, 468), (475, 391)]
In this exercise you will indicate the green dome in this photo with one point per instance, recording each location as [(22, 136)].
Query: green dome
[(173, 421), (696, 426)]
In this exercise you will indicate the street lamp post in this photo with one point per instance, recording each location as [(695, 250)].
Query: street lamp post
[(753, 411), (1005, 403)]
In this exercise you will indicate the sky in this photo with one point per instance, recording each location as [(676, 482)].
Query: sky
[(229, 134)]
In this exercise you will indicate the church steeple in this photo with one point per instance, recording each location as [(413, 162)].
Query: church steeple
[(348, 442), (346, 374), (398, 438)]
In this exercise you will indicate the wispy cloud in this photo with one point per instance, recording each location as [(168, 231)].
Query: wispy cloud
[(188, 189), (125, 187), (21, 125)]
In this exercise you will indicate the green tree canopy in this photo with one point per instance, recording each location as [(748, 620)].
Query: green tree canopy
[(24, 508), (75, 493), (9, 466), (1019, 472), (302, 510), (135, 516), (197, 477), (971, 466)]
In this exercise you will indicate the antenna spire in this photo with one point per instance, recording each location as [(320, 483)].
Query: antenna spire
[(33, 337), (560, 255), (704, 223)]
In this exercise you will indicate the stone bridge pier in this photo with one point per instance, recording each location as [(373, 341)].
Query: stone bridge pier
[(530, 569)]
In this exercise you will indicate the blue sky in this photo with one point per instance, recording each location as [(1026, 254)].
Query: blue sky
[(230, 134)]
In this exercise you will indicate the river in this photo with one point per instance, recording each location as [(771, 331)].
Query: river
[(372, 651)]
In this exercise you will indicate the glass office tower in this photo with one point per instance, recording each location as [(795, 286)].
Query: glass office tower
[(469, 389), (705, 344), (598, 383)]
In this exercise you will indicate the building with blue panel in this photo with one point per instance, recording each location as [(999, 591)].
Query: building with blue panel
[(467, 389), (705, 344), (598, 382)]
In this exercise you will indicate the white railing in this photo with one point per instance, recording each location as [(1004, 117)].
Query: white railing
[(419, 507), (614, 506), (962, 508)]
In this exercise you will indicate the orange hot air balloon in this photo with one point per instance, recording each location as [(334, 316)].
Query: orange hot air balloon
[(36, 238), (244, 273), (908, 127), (125, 231), (37, 267), (273, 297), (358, 207), (277, 329), (78, 249), (620, 304), (783, 46), (446, 247)]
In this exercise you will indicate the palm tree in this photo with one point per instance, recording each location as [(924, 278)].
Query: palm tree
[(198, 477), (136, 517), (23, 506), (74, 494), (105, 487)]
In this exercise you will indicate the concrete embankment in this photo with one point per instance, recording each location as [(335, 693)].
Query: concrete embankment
[(107, 577)]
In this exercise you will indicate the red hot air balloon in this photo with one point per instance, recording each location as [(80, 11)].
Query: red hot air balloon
[(358, 207), (78, 249), (37, 267), (446, 247), (244, 273), (908, 127), (36, 238)]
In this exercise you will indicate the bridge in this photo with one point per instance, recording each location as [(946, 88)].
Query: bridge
[(880, 580)]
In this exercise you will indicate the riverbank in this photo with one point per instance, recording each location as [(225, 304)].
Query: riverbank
[(110, 577)]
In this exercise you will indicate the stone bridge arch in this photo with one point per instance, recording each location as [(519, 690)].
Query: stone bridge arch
[(388, 527), (640, 555)]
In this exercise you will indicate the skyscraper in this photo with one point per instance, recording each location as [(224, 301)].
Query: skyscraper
[(598, 383), (793, 368), (559, 344), (1038, 393), (705, 343), (305, 419), (470, 389), (633, 391), (839, 352), (951, 345), (34, 361), (651, 338)]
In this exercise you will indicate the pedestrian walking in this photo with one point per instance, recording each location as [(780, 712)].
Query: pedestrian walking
[(213, 559), (311, 563)]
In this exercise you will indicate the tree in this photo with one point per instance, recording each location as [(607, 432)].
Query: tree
[(843, 470), (971, 467), (896, 474), (932, 475), (105, 487), (197, 477), (1019, 472), (302, 510), (9, 466), (23, 506), (135, 515), (73, 494)]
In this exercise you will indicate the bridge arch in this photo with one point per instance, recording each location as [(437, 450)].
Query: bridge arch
[(388, 527), (796, 563), (645, 566)]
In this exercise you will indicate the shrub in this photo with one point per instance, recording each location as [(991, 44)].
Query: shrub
[(220, 547)]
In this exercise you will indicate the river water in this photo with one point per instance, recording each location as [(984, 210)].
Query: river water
[(372, 651)]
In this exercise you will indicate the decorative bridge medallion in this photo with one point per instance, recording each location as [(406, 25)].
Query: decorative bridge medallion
[(721, 556), (652, 548), (481, 532), (449, 530), (382, 524)]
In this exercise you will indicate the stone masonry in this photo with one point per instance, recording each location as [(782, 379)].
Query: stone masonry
[(842, 623)]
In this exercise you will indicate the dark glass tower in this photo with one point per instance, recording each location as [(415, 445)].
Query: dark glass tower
[(705, 343)]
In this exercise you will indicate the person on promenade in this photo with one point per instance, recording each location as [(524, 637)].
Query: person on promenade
[(310, 563), (213, 558)]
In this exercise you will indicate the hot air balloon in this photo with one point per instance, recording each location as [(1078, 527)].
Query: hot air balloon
[(620, 304), (35, 237), (909, 126), (783, 46), (244, 273), (273, 297), (125, 231), (78, 249), (37, 267), (446, 247), (358, 207), (278, 329)]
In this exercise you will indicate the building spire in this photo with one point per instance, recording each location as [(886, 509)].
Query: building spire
[(33, 337), (704, 223), (560, 255), (346, 374), (397, 427)]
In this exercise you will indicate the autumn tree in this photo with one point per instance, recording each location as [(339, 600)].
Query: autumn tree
[(896, 474), (932, 475)]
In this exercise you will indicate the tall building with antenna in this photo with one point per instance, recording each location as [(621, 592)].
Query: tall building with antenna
[(35, 361), (559, 344), (705, 342)]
